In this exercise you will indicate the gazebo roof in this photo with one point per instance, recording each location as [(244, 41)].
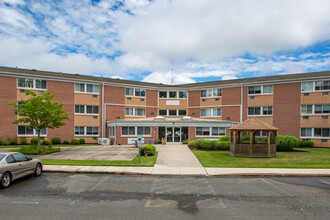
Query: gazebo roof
[(254, 124)]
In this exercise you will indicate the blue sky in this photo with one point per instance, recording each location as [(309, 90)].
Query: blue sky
[(154, 40)]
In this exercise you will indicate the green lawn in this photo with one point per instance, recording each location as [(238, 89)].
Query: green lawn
[(314, 158), (145, 162)]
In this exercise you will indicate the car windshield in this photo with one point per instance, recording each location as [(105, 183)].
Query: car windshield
[(2, 156)]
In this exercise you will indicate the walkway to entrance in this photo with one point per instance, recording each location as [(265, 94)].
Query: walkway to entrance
[(177, 159)]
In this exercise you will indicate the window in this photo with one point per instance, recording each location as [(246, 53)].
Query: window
[(321, 132), (135, 111), (143, 131), (172, 94), (172, 112), (182, 112), (322, 109), (163, 112), (210, 131), (218, 131), (211, 112), (86, 109), (135, 131), (211, 93), (87, 88), (86, 130), (79, 109), (24, 130), (307, 109), (263, 89), (182, 94), (111, 131), (306, 132), (260, 134), (322, 85), (10, 159), (265, 110), (135, 92), (162, 94), (31, 83), (19, 157), (307, 86)]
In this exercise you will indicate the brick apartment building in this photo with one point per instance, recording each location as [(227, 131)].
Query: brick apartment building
[(297, 104)]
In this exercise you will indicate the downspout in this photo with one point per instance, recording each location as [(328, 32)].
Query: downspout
[(103, 125), (241, 107)]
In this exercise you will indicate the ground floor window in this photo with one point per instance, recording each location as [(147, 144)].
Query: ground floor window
[(210, 131), (134, 131), (81, 130), (24, 130)]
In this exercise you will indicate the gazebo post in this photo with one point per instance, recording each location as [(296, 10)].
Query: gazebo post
[(251, 142), (268, 141)]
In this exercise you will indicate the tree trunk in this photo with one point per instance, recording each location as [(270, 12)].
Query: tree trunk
[(38, 146)]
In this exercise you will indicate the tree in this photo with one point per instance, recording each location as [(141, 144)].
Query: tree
[(39, 112)]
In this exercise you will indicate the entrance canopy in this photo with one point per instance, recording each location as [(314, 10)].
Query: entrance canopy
[(185, 121)]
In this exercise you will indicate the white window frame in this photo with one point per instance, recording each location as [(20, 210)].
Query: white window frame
[(261, 90), (33, 84), (313, 133), (145, 92), (212, 112), (212, 93), (135, 131), (210, 132), (261, 111), (177, 94), (85, 88), (177, 112), (34, 132), (134, 111), (301, 110), (313, 86), (313, 110), (85, 110), (85, 131)]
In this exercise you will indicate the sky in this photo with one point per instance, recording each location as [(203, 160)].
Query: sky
[(159, 40)]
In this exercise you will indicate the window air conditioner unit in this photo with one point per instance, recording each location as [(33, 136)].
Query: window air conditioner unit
[(104, 141)]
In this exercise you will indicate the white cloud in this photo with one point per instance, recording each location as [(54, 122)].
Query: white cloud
[(166, 78)]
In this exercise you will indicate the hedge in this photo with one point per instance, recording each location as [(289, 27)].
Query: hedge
[(286, 143), (56, 140), (212, 144), (151, 148)]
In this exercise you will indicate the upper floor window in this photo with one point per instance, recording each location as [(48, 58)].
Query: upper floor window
[(173, 94), (307, 86), (81, 87), (306, 109), (322, 85), (135, 112), (262, 89), (173, 112), (211, 112), (86, 130), (31, 83), (315, 86), (211, 93), (86, 109), (135, 92), (316, 109), (265, 110)]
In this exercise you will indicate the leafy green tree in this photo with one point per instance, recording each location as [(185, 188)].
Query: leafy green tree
[(39, 112)]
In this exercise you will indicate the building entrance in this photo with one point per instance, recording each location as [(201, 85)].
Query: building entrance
[(173, 135)]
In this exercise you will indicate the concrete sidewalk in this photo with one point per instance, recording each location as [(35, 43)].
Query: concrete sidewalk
[(179, 160)]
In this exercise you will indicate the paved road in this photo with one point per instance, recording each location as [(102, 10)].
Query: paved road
[(99, 196)]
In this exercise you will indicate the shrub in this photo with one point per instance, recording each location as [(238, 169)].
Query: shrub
[(32, 149), (286, 142), (56, 140), (212, 144), (201, 144), (150, 148), (309, 144), (245, 139), (191, 144), (82, 141), (74, 142), (12, 141), (46, 142), (23, 141), (34, 141), (66, 142), (225, 138), (2, 142), (223, 145)]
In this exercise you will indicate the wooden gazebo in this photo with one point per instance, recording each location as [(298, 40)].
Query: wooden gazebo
[(253, 138)]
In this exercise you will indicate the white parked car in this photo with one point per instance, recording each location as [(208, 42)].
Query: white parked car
[(15, 165)]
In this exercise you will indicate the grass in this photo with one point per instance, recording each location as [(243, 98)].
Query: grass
[(32, 149), (145, 162), (313, 158)]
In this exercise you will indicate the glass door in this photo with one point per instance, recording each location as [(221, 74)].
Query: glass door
[(169, 134), (177, 135)]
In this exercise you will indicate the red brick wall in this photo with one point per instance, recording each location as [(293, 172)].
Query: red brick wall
[(152, 97), (192, 134), (113, 111), (64, 93), (197, 112), (151, 110), (231, 96), (114, 94), (8, 93), (245, 97), (232, 112), (286, 110), (194, 98)]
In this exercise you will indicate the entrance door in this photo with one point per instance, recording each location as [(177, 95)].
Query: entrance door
[(169, 135), (177, 135)]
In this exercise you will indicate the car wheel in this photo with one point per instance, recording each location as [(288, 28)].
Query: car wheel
[(5, 180), (37, 171)]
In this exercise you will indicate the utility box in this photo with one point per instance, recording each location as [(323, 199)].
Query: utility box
[(104, 141)]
